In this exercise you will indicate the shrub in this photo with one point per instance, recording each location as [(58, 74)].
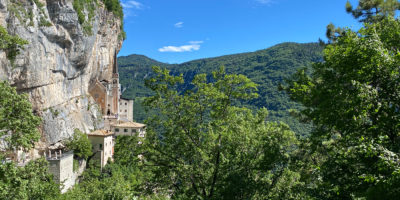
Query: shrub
[(80, 144)]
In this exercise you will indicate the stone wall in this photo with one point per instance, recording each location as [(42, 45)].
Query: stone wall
[(62, 170)]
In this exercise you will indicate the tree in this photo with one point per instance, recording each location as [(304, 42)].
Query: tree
[(368, 11), (32, 181), (202, 147), (80, 144), (373, 10), (18, 125), (353, 99)]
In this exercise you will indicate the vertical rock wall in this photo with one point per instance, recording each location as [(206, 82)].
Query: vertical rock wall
[(60, 62)]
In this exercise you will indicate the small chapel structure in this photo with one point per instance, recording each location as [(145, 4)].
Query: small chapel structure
[(102, 145)]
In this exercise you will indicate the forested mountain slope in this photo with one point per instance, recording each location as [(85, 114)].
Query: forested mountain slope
[(268, 68)]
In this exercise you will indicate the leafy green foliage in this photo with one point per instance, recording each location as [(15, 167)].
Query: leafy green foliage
[(201, 146), (114, 182), (353, 100), (126, 150), (10, 44), (18, 124), (268, 68), (80, 144), (32, 181)]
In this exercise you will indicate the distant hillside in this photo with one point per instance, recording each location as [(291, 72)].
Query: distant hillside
[(267, 67)]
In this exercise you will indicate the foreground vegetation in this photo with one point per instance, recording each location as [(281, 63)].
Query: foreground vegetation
[(203, 144)]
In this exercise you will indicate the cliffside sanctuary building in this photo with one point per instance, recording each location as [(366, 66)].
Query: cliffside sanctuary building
[(107, 94)]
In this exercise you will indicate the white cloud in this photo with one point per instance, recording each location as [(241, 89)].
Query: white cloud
[(179, 25), (266, 2), (130, 7), (192, 46), (132, 4)]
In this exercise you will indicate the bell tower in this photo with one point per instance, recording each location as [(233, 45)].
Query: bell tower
[(115, 91)]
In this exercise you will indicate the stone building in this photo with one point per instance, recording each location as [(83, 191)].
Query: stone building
[(130, 129), (103, 145), (125, 110), (61, 165), (107, 94)]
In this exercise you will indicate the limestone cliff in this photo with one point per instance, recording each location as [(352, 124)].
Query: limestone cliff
[(60, 61)]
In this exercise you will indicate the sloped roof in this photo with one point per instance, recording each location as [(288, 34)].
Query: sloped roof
[(103, 133), (129, 125)]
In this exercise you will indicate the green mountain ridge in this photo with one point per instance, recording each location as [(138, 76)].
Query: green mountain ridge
[(268, 68)]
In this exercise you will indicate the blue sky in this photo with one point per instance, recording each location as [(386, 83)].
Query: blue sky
[(176, 31)]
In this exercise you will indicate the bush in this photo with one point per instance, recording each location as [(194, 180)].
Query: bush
[(80, 144), (12, 45)]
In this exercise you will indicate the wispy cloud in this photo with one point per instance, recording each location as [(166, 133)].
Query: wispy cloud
[(179, 25), (266, 2), (131, 4), (192, 46), (130, 7)]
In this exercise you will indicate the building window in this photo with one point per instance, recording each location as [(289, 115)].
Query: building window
[(101, 146), (126, 104), (125, 130), (126, 110), (134, 130), (117, 130)]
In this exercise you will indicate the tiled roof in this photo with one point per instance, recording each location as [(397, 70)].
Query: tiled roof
[(129, 125), (100, 133)]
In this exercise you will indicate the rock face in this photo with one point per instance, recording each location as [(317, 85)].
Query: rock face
[(60, 61)]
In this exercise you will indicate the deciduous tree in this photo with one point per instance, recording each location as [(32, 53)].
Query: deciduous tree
[(353, 99), (18, 124), (203, 147)]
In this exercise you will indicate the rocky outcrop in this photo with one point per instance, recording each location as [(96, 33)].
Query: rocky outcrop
[(60, 61)]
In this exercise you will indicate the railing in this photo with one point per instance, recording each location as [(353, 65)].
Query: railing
[(57, 154)]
